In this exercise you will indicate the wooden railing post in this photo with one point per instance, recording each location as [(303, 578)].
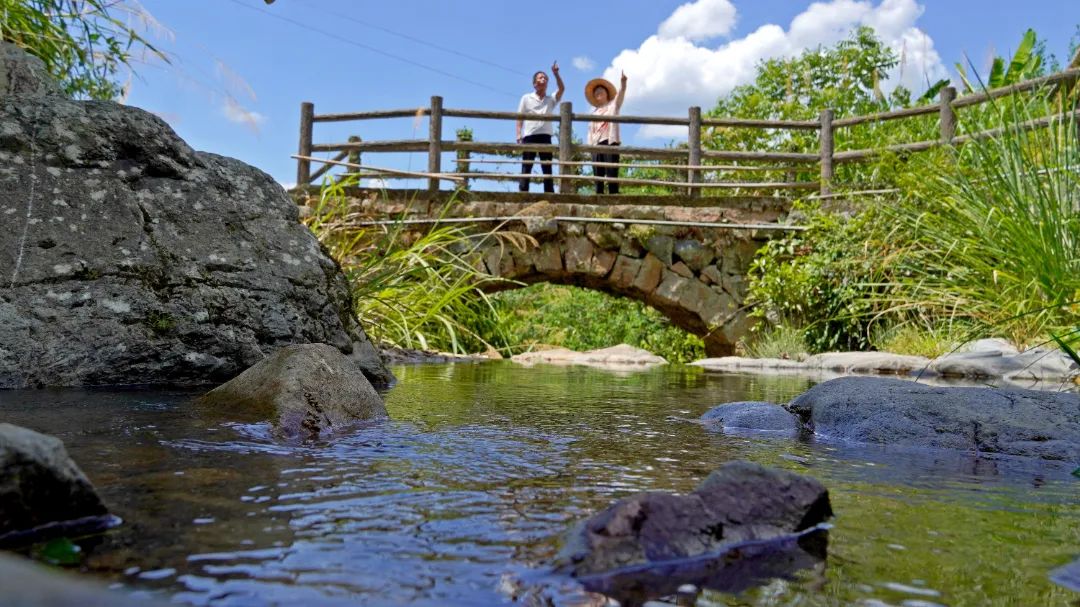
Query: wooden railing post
[(463, 156), (303, 167), (948, 115), (434, 163), (566, 146), (354, 155), (826, 139), (693, 141)]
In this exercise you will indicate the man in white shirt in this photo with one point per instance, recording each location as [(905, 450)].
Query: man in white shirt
[(538, 131)]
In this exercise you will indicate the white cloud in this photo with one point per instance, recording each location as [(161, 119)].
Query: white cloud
[(375, 183), (583, 63), (237, 113), (700, 20), (673, 69)]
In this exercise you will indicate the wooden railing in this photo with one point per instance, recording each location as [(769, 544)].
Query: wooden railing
[(692, 161)]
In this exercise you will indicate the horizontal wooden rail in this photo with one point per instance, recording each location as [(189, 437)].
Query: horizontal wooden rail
[(381, 171), (376, 115), (657, 120), (484, 114), (727, 185), (976, 98), (702, 167), (404, 145), (917, 146), (1023, 126), (920, 146), (761, 124), (511, 218), (760, 156), (391, 174), (885, 116)]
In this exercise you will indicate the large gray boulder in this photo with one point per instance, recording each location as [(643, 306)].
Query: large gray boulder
[(39, 484), (982, 420), (738, 502), (127, 257), (306, 391)]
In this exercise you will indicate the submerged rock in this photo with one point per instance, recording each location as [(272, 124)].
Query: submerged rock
[(305, 391), (761, 416), (40, 484), (982, 420), (739, 502), (127, 257), (27, 583)]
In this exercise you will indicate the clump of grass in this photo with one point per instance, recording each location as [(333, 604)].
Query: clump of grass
[(413, 287), (781, 341), (921, 339), (583, 319), (994, 236)]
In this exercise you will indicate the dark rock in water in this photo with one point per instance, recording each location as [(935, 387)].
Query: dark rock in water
[(26, 583), (127, 257), (981, 420), (40, 485), (739, 502), (762, 416), (305, 391), (734, 569)]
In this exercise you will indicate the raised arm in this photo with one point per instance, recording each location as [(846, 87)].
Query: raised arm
[(558, 81), (622, 92)]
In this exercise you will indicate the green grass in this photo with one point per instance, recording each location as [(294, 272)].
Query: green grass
[(582, 319), (781, 341), (994, 235), (413, 288)]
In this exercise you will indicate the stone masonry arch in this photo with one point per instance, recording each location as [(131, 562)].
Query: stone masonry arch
[(694, 276)]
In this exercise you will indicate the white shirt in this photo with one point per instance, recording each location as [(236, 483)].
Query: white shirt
[(532, 104), (604, 131)]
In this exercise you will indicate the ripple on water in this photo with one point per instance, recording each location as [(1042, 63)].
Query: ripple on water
[(464, 497)]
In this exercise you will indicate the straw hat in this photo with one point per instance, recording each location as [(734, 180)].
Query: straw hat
[(595, 82)]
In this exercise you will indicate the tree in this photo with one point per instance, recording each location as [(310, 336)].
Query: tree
[(84, 43)]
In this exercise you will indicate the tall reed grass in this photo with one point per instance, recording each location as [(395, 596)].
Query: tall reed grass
[(993, 236), (413, 287)]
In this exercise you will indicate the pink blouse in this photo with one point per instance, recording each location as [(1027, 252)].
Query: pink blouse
[(604, 131)]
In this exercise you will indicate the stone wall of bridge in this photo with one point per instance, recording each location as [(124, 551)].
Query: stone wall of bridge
[(696, 276)]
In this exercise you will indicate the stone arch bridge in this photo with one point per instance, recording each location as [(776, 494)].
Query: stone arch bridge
[(685, 257)]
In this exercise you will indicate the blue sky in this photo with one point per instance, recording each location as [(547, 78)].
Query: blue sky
[(241, 68)]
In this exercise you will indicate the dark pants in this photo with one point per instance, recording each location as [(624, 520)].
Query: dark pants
[(601, 171), (527, 163)]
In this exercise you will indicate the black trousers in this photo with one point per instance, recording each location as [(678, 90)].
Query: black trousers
[(527, 163), (601, 171)]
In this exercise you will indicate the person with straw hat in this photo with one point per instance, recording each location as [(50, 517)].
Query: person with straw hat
[(538, 131), (606, 102)]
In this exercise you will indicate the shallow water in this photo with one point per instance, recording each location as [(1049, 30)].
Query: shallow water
[(462, 499)]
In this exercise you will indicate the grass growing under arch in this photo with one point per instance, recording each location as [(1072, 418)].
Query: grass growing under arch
[(413, 288)]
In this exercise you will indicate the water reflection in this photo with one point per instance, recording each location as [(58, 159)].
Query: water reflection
[(463, 498)]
